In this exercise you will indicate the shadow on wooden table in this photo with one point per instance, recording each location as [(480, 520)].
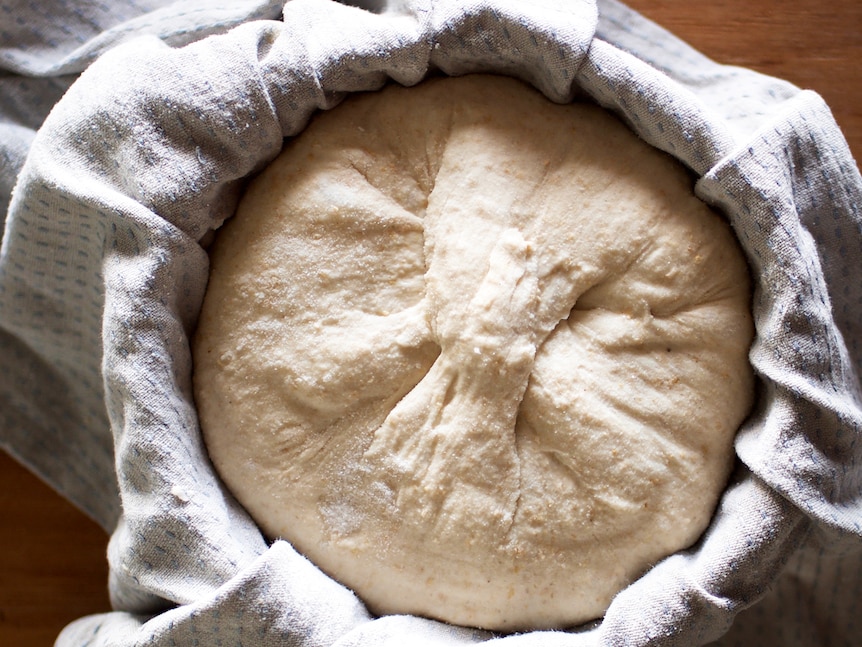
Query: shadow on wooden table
[(53, 567)]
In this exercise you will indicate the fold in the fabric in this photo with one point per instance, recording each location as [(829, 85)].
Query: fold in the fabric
[(102, 276), (64, 40), (793, 198), (42, 52)]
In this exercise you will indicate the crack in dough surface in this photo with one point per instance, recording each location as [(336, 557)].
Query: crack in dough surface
[(479, 356)]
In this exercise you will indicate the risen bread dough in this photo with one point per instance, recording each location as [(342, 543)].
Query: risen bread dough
[(479, 356)]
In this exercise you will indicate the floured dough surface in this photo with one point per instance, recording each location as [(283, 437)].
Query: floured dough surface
[(480, 357)]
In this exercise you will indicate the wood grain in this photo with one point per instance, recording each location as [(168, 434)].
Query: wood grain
[(52, 557), (815, 45), (53, 567)]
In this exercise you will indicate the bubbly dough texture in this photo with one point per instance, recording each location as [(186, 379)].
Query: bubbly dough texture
[(478, 356)]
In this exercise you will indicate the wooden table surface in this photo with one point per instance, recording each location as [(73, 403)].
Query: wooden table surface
[(52, 557)]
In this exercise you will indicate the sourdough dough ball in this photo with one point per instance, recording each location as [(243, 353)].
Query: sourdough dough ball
[(478, 356)]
